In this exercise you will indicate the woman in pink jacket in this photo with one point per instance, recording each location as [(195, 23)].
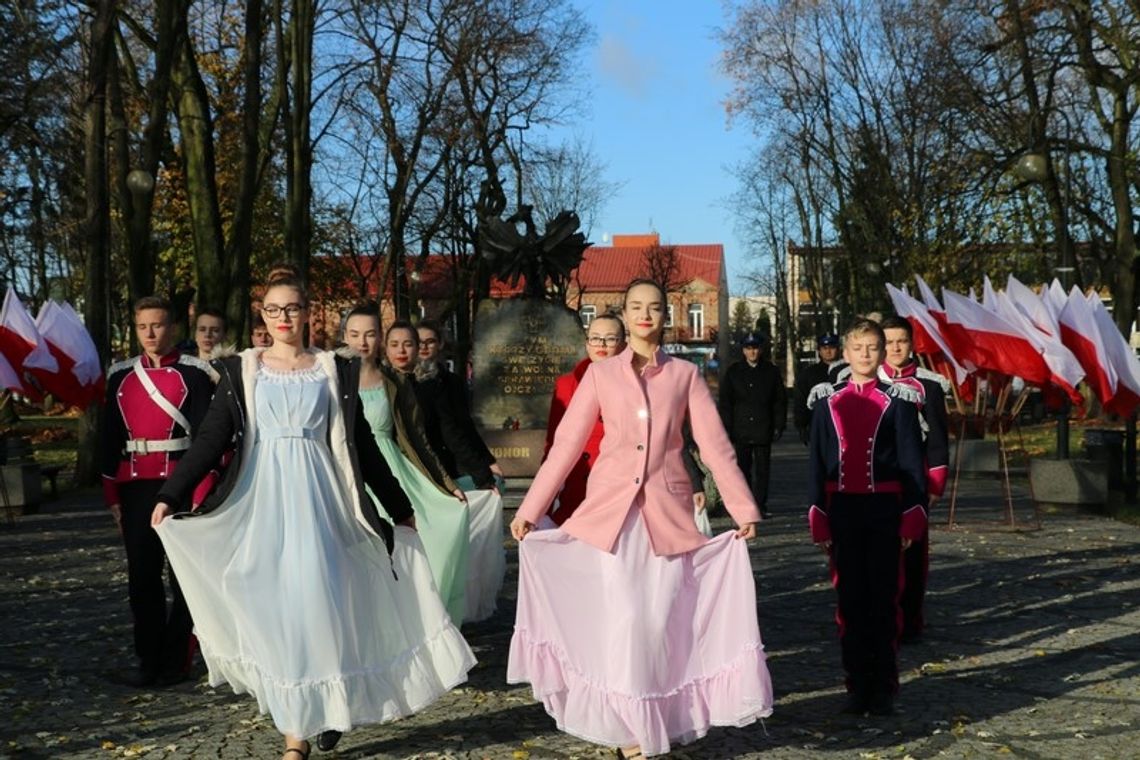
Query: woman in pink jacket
[(633, 629)]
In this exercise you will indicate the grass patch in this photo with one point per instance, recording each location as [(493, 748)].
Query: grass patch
[(1040, 439), (54, 441)]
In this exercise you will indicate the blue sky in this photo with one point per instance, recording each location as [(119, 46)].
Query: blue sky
[(655, 116)]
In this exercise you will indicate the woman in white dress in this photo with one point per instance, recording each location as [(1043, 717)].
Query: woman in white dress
[(301, 595), (390, 406)]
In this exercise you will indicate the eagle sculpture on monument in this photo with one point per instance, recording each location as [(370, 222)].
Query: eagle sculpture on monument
[(544, 259)]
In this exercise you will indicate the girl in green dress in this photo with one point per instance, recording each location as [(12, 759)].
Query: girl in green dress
[(390, 407)]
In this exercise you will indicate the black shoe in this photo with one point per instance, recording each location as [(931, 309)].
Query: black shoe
[(881, 705), (856, 704), (326, 740), (137, 678), (171, 679), (911, 637)]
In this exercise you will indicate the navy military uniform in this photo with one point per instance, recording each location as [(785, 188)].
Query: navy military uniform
[(808, 378), (753, 407), (152, 412), (932, 389), (867, 490)]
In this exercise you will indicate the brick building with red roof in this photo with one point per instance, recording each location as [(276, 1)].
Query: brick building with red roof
[(697, 284), (696, 274)]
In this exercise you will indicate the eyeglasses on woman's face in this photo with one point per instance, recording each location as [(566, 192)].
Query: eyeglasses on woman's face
[(603, 340), (273, 311)]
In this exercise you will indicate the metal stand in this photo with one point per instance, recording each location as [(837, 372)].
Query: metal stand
[(957, 471), (1004, 453)]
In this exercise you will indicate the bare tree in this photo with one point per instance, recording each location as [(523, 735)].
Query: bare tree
[(568, 177), (662, 264)]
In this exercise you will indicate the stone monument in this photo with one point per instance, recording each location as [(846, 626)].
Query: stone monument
[(523, 344)]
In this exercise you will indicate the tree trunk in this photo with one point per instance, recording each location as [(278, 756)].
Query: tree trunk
[(1123, 282), (39, 244), (138, 204), (128, 204), (299, 163), (196, 127), (241, 233), (97, 226)]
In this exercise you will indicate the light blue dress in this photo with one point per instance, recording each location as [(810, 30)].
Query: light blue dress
[(293, 600), (442, 520)]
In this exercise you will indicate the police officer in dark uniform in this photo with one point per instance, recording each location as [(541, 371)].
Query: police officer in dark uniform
[(155, 402), (827, 348), (753, 406)]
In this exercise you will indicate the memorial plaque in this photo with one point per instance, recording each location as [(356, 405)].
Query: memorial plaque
[(521, 347)]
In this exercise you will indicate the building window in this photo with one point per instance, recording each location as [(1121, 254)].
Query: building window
[(587, 313), (696, 321), (669, 317)]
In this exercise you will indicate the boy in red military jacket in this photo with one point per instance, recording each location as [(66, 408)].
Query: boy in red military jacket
[(154, 403), (901, 367)]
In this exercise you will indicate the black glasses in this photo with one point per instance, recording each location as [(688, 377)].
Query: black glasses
[(597, 340), (273, 311)]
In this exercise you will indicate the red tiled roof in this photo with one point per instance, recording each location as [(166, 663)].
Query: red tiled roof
[(612, 267), (603, 268)]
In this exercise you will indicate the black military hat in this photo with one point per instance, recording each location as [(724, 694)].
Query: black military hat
[(755, 339)]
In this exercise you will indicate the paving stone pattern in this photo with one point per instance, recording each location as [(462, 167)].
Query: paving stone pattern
[(1032, 651)]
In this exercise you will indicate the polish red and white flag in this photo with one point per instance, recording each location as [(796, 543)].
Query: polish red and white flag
[(1054, 297), (961, 346), (21, 343), (1033, 306), (927, 337), (1066, 371), (1120, 356), (1081, 335), (9, 380), (996, 345), (79, 379), (928, 296)]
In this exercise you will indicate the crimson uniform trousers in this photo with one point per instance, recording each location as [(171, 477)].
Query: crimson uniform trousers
[(162, 639), (865, 570)]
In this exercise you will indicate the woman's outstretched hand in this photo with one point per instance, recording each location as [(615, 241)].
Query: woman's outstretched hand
[(746, 531), (520, 527), (161, 511)]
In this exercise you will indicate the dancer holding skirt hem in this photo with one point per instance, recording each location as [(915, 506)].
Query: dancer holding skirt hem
[(633, 629), (301, 595)]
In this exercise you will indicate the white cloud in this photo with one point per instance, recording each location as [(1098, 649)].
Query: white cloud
[(618, 62)]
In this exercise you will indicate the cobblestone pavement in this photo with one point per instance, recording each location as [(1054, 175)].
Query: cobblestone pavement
[(1032, 651)]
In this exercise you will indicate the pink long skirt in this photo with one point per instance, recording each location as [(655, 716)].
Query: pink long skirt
[(631, 648)]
